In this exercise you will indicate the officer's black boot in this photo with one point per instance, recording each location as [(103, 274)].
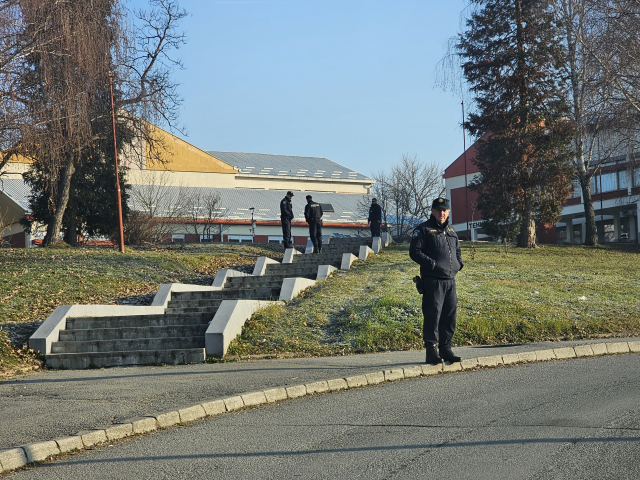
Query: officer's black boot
[(448, 355), (432, 355)]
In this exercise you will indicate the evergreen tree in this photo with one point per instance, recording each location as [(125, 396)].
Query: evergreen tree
[(512, 62)]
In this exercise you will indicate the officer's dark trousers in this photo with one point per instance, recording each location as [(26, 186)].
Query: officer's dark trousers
[(375, 229), (315, 233), (286, 232), (439, 306)]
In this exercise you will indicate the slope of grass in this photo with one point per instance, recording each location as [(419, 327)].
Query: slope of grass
[(34, 282), (550, 293)]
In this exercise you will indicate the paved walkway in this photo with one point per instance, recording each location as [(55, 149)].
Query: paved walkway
[(56, 404)]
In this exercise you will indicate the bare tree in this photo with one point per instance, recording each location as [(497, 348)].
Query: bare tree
[(58, 58), (600, 116), (204, 210), (160, 207), (405, 193)]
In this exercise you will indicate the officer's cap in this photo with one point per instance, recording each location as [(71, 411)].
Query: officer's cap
[(290, 193), (442, 203)]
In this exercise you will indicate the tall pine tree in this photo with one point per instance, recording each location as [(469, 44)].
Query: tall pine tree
[(511, 60)]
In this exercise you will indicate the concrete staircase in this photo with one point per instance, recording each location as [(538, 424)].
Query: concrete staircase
[(178, 335)]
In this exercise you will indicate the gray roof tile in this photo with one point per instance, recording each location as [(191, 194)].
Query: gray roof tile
[(286, 165)]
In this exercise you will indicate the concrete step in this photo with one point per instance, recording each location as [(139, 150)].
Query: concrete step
[(80, 323), (224, 294), (199, 302), (129, 333), (122, 358), (269, 280), (103, 346), (292, 270)]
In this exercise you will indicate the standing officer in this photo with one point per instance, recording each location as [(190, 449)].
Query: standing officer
[(313, 216), (286, 215), (435, 247), (375, 217)]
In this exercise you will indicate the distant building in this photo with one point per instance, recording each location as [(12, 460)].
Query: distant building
[(247, 183), (615, 190)]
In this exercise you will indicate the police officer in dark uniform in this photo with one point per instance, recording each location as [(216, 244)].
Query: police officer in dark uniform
[(375, 217), (435, 247), (286, 215), (313, 216)]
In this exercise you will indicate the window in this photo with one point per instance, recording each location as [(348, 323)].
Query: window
[(275, 239), (636, 177), (177, 238), (623, 179), (609, 181), (207, 238), (575, 193), (240, 238)]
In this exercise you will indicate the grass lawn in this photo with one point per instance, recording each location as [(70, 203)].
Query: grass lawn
[(34, 282), (550, 293)]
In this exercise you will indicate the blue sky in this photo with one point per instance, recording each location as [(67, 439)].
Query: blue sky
[(350, 80)]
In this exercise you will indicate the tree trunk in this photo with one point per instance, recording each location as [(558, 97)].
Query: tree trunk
[(591, 233), (527, 237), (64, 188)]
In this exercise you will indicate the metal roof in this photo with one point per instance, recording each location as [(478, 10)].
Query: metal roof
[(287, 166), (236, 202), (17, 190)]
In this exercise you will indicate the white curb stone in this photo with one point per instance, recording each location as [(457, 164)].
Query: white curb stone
[(510, 358), (275, 394), (214, 408), (324, 271), (356, 381), (254, 398), (347, 260), (69, 444), (364, 252), (412, 372), (291, 287), (374, 378), (544, 355), (12, 458), (116, 432), (599, 348), (233, 403), (296, 391), (492, 361), (527, 356), (634, 347), (168, 419), (93, 438), (619, 347), (37, 452), (431, 369), (337, 384), (566, 352), (395, 374), (469, 363), (317, 387), (452, 367), (191, 414), (583, 351), (144, 425)]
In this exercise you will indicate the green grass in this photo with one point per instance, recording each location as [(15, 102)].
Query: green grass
[(34, 282), (523, 296)]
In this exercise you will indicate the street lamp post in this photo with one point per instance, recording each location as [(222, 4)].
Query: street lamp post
[(115, 154)]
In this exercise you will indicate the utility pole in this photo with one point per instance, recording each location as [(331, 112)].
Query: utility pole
[(466, 187), (115, 153)]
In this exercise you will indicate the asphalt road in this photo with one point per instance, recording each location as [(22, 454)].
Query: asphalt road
[(577, 419), (56, 404)]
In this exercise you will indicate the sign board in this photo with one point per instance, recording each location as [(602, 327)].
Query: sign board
[(327, 207)]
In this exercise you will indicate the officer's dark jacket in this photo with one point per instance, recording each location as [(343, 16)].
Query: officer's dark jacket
[(286, 210), (436, 249), (313, 212), (375, 213)]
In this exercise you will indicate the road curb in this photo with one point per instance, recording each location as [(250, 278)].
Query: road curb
[(18, 457)]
